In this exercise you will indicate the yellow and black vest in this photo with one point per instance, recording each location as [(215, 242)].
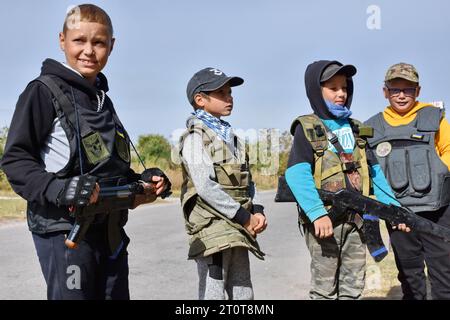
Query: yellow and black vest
[(210, 231)]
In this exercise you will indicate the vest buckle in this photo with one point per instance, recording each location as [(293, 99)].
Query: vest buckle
[(319, 151), (350, 166), (361, 143)]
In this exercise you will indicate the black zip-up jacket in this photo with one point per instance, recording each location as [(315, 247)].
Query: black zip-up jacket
[(30, 127)]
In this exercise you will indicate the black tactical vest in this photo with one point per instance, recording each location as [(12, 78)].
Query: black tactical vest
[(408, 157)]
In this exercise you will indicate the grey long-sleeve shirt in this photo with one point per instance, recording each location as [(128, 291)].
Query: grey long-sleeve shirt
[(201, 171)]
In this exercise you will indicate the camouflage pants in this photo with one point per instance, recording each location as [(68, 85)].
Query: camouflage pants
[(337, 263)]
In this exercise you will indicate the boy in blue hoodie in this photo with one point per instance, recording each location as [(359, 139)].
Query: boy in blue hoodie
[(329, 153)]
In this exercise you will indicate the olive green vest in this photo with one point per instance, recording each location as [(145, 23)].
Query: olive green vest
[(329, 170), (210, 231)]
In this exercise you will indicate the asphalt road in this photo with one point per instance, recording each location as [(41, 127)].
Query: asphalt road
[(159, 268)]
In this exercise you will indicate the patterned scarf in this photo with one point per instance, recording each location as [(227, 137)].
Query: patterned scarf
[(221, 127)]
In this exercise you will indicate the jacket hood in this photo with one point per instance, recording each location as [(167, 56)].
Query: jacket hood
[(314, 91), (53, 67)]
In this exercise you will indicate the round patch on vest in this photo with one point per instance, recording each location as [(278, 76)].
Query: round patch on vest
[(383, 149)]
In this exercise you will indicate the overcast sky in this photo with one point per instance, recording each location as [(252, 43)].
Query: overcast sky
[(160, 44)]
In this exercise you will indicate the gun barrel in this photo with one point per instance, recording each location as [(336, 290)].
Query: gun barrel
[(121, 191)]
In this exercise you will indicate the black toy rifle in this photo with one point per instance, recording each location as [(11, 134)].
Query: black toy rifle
[(344, 200), (110, 199)]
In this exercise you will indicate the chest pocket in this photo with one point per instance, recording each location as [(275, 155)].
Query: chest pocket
[(122, 145), (232, 174), (410, 166)]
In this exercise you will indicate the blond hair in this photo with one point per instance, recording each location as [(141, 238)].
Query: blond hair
[(87, 13)]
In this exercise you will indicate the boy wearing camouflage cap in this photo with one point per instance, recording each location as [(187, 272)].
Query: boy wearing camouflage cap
[(412, 144)]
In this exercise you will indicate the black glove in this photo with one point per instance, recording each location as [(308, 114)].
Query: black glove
[(77, 191), (147, 175)]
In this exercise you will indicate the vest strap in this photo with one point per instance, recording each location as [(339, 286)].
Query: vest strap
[(64, 107), (318, 172), (429, 119)]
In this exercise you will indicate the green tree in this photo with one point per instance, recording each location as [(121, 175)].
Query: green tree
[(3, 134), (153, 148), (4, 185), (286, 140)]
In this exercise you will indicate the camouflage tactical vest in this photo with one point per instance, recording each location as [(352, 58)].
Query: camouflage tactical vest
[(330, 168), (210, 231)]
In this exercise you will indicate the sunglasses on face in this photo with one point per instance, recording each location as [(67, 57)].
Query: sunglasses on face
[(410, 92)]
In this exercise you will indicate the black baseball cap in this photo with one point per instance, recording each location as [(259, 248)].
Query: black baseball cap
[(348, 70), (209, 79)]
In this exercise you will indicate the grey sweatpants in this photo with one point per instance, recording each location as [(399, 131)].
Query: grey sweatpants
[(225, 275)]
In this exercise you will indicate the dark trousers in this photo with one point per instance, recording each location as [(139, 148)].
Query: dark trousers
[(89, 272), (412, 250)]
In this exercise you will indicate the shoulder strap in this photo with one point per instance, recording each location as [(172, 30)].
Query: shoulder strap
[(429, 119), (360, 129), (206, 134), (361, 132), (315, 132), (334, 140), (64, 107)]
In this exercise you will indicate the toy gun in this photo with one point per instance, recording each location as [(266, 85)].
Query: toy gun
[(344, 200), (110, 199)]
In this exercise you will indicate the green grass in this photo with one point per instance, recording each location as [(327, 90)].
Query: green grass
[(12, 209)]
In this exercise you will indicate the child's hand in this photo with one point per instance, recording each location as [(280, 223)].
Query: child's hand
[(160, 181), (251, 224), (159, 184), (262, 224), (402, 227), (94, 197), (323, 227), (149, 194)]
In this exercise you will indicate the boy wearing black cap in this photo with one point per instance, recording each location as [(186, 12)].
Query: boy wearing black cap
[(329, 153), (218, 197)]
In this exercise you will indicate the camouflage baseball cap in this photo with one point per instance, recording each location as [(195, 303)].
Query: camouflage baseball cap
[(402, 70)]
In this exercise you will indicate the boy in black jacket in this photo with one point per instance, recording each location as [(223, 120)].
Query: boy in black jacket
[(58, 155)]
